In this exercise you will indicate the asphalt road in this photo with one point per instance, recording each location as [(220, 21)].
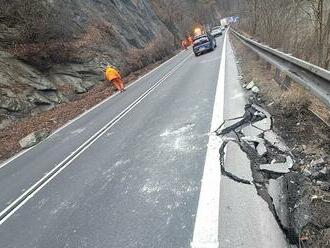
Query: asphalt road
[(137, 182)]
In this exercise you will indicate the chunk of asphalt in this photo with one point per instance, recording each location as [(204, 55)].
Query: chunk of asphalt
[(250, 85), (281, 168), (239, 167), (260, 147), (276, 141), (255, 89), (276, 191)]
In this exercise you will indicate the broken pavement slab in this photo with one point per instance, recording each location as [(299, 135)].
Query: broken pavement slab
[(260, 147), (276, 191), (276, 141), (281, 168), (239, 170)]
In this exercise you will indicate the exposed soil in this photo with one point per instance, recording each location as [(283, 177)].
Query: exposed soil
[(55, 118), (303, 122)]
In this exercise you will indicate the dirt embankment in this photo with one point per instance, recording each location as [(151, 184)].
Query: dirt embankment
[(300, 198)]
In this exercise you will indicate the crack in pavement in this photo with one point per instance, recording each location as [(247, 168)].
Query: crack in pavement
[(272, 152)]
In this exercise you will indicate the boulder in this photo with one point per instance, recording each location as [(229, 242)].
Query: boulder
[(33, 138)]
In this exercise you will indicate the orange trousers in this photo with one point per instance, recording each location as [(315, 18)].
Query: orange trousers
[(118, 83)]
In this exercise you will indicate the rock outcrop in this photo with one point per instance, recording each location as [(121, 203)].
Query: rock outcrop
[(51, 50)]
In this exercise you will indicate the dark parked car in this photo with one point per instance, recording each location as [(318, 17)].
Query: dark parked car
[(204, 43)]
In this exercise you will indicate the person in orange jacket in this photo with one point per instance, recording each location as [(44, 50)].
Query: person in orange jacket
[(112, 75), (190, 40), (184, 44)]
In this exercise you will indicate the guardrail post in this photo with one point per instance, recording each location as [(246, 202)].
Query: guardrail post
[(256, 57), (277, 75), (287, 82)]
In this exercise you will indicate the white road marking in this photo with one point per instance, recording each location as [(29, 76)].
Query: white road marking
[(206, 229), (8, 161), (28, 194)]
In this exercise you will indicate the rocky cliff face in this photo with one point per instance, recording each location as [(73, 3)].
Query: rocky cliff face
[(51, 50)]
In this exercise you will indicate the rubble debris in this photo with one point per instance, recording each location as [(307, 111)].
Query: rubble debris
[(317, 170), (259, 152), (300, 200), (33, 138), (255, 89), (250, 85), (317, 162), (320, 197), (281, 168)]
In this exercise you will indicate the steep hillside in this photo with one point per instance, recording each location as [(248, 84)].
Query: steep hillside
[(51, 50)]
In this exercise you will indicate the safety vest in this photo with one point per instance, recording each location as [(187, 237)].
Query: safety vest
[(111, 74)]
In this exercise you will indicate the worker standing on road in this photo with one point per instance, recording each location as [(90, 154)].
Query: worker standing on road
[(112, 75), (184, 44), (190, 40)]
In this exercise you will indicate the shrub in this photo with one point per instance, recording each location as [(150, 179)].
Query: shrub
[(156, 50)]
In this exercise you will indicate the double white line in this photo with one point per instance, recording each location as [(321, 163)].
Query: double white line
[(20, 201)]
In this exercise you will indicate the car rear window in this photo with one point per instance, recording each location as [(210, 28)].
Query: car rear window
[(201, 40)]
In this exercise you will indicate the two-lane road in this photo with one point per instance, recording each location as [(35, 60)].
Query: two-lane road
[(137, 183)]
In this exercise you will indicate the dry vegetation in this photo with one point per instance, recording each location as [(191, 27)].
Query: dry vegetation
[(292, 108), (300, 27), (156, 50)]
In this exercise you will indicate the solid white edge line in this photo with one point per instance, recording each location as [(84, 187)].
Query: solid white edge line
[(206, 230), (28, 194), (6, 162)]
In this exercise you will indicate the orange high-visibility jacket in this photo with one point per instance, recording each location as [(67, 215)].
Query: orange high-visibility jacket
[(111, 74)]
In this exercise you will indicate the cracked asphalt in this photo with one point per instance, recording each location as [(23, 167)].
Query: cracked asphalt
[(245, 219), (138, 185)]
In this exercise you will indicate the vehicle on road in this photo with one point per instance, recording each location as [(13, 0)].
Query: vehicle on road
[(216, 31), (204, 43)]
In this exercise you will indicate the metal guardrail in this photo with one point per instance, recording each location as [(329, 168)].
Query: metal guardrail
[(312, 77)]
